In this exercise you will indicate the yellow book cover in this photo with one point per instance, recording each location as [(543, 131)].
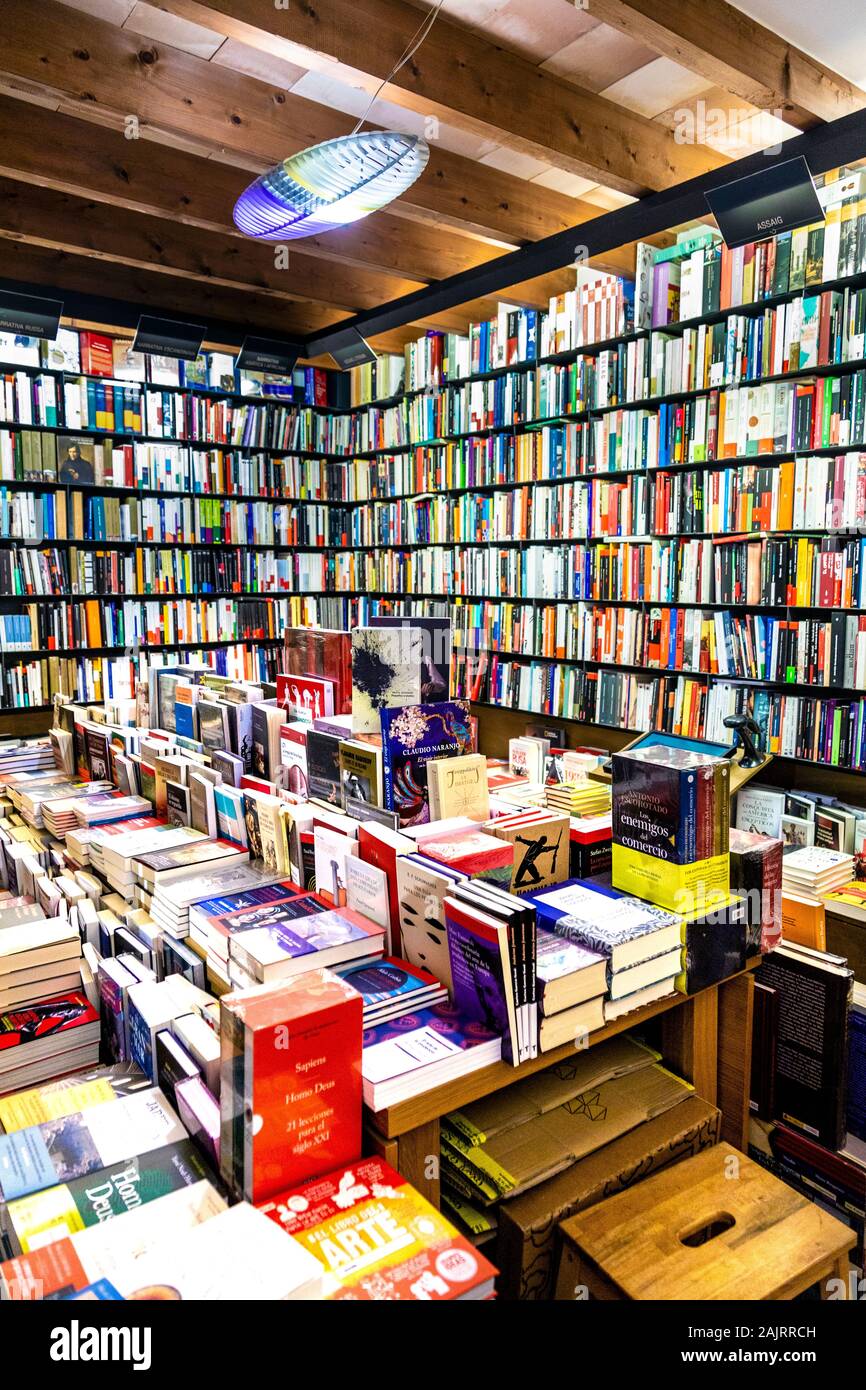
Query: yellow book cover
[(677, 887)]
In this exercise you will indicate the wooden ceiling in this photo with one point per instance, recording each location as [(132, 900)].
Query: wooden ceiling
[(542, 114)]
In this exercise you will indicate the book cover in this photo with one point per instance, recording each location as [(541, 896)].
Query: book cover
[(375, 1236), (361, 772), (305, 697), (814, 992), (69, 1094), (411, 737), (482, 972), (290, 1100), (457, 786), (542, 849), (323, 768), (436, 652), (322, 652), (72, 1146), (100, 1196), (386, 673)]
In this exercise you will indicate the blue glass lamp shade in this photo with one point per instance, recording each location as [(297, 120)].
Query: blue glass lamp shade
[(330, 185)]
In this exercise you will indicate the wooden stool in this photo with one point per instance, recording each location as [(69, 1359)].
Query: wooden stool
[(756, 1238)]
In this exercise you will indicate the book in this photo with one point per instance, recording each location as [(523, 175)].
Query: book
[(361, 777), (624, 930), (47, 1038), (71, 1146), (285, 948), (239, 1248), (322, 652), (290, 1101), (386, 673), (815, 991), (69, 1094), (568, 973), (126, 1185), (760, 811), (412, 736), (436, 652), (408, 1056), (482, 952), (367, 892), (422, 886), (323, 768), (457, 786), (305, 697), (756, 874), (541, 845), (104, 1250), (474, 853), (391, 988), (266, 722), (331, 851), (370, 1231)]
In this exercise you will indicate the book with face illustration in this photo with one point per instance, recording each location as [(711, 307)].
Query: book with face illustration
[(422, 887)]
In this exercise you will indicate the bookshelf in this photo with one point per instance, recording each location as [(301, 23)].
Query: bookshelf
[(661, 524)]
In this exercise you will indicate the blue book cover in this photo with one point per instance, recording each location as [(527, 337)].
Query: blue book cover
[(412, 735)]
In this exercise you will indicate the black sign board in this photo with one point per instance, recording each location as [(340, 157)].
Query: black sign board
[(30, 316), (351, 350), (169, 337), (777, 199), (267, 355)]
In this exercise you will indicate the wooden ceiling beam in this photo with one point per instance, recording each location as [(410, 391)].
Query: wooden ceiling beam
[(104, 74), (462, 77), (737, 53)]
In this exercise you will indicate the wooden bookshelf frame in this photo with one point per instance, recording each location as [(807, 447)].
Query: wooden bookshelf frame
[(706, 1039)]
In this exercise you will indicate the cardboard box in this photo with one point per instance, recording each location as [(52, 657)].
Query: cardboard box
[(528, 1242)]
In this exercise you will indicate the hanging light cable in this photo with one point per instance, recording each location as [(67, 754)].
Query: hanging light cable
[(339, 181)]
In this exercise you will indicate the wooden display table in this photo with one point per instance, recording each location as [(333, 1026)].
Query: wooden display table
[(706, 1038), (713, 1227)]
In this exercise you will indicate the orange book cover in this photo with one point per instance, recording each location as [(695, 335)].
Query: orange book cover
[(804, 921)]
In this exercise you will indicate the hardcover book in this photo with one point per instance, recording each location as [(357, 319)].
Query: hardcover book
[(305, 698), (411, 737)]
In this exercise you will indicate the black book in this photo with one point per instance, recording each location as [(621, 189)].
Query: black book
[(815, 991), (765, 1031)]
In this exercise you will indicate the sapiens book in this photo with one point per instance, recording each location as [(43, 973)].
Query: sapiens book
[(372, 1232), (411, 737), (386, 673), (290, 1099)]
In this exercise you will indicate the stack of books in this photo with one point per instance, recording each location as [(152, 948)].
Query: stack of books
[(572, 987), (38, 959), (640, 942), (811, 872), (579, 798), (404, 1059), (47, 1038), (170, 903), (671, 824), (390, 988), (19, 755), (492, 948)]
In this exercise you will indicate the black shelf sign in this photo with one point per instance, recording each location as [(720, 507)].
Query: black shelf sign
[(349, 349), (777, 199), (169, 338), (267, 355), (29, 315)]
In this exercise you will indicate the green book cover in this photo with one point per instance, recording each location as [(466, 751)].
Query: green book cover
[(100, 1196)]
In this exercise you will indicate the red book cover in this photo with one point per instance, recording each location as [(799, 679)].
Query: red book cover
[(322, 652), (310, 697), (290, 1104), (63, 1014), (380, 846), (97, 353), (378, 1238), (474, 853)]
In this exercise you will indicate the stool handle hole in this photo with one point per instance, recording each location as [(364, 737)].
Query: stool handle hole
[(707, 1229)]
